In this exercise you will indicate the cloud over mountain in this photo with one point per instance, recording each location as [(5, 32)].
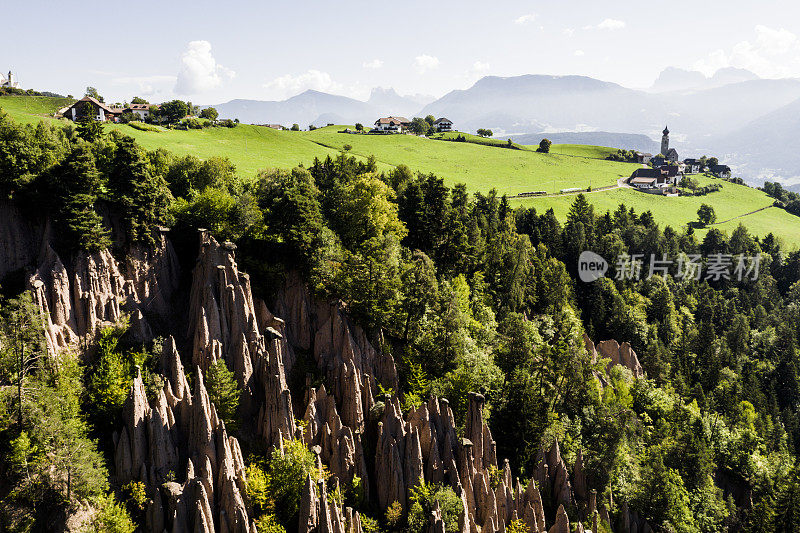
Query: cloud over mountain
[(199, 71)]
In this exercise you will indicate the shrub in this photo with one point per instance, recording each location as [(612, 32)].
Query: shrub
[(223, 391), (269, 524), (287, 475), (258, 489), (137, 495), (127, 117), (369, 524), (141, 126), (111, 517), (421, 503), (544, 146), (394, 514)]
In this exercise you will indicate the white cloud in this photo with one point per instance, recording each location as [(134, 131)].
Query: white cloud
[(611, 24), (199, 70), (525, 19), (480, 67), (569, 32), (375, 63), (578, 53), (425, 63), (290, 85), (774, 53)]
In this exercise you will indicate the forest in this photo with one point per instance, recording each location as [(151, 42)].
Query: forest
[(466, 293)]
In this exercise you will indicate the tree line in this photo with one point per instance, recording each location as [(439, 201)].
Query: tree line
[(471, 293)]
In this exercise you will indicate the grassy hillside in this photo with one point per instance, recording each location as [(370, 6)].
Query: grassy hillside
[(251, 148), (730, 202), (479, 167), (32, 109), (475, 139), (480, 163), (582, 150)]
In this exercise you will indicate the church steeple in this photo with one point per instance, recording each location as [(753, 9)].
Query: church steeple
[(665, 142), (666, 130)]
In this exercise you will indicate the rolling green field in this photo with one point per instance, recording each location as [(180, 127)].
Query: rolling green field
[(32, 109), (582, 150), (730, 202), (251, 148), (479, 167), (481, 164)]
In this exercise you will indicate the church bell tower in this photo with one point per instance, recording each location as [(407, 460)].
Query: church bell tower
[(665, 142)]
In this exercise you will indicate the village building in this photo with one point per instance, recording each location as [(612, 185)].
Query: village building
[(88, 106), (722, 171), (141, 110), (9, 82), (652, 178), (442, 124), (391, 124), (643, 158), (693, 166)]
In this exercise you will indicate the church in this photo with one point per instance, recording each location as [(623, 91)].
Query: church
[(670, 154), (8, 83)]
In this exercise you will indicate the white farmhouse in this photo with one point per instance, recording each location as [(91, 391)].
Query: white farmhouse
[(142, 110), (391, 124), (443, 124), (91, 107)]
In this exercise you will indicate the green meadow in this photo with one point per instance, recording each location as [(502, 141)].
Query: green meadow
[(730, 202), (480, 167), (480, 163), (33, 109)]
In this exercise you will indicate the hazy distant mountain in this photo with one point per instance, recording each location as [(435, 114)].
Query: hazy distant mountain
[(678, 79), (704, 114), (628, 141), (388, 102), (535, 103), (304, 109), (728, 75), (531, 103), (318, 108), (766, 148)]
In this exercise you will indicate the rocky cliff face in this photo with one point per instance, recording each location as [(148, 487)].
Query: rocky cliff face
[(622, 355), (178, 447), (193, 470), (20, 239), (97, 289)]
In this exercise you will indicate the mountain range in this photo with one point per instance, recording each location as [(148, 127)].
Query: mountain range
[(319, 108), (733, 113)]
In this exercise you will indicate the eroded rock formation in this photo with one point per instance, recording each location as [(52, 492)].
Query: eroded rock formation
[(176, 445), (618, 354), (97, 290), (193, 470)]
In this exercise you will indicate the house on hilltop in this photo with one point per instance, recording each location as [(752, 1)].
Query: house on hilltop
[(392, 124), (693, 166), (91, 107), (722, 171), (141, 110), (652, 178), (442, 124)]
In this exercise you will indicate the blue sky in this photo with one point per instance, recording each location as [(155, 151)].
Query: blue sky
[(211, 52)]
